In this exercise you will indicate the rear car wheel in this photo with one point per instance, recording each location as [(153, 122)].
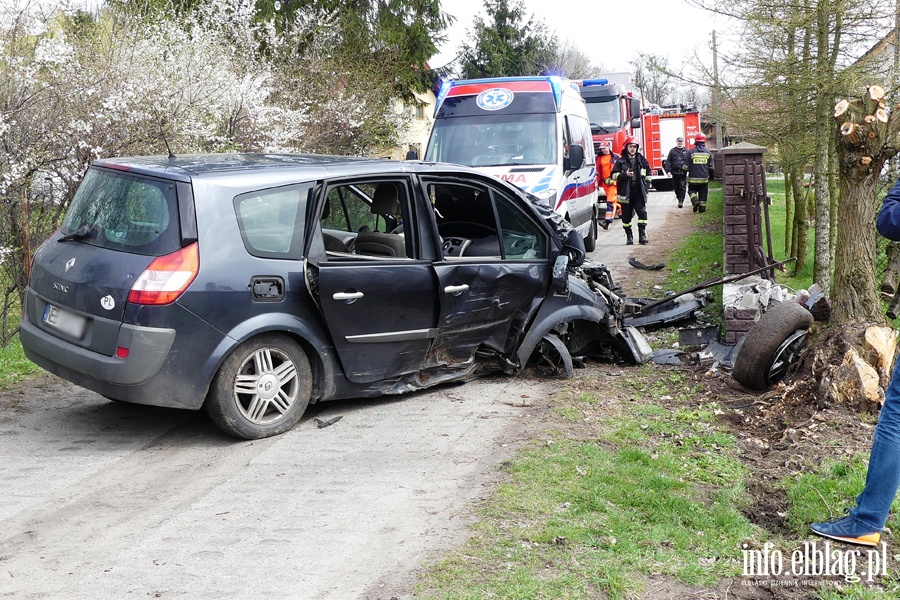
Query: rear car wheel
[(590, 242), (262, 389), (773, 347)]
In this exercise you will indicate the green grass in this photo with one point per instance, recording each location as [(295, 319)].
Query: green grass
[(700, 255), (831, 487), (14, 367), (777, 212), (658, 493)]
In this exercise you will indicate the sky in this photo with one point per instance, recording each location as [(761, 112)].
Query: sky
[(610, 33)]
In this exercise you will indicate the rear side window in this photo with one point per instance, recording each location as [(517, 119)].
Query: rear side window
[(128, 212), (271, 221)]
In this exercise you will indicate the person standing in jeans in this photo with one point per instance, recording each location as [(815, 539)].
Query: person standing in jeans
[(863, 523)]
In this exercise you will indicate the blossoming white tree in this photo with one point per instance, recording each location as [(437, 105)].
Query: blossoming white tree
[(206, 76)]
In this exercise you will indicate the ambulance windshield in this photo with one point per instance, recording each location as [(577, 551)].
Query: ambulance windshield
[(488, 140)]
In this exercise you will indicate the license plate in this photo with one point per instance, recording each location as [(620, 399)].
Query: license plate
[(64, 321)]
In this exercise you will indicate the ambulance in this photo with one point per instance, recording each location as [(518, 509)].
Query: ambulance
[(533, 132)]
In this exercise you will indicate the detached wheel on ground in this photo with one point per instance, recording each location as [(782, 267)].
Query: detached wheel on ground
[(262, 389), (772, 348), (590, 242)]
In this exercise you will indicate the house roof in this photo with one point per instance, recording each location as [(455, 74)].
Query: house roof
[(880, 46)]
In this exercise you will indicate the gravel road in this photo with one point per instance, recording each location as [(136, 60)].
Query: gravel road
[(109, 500)]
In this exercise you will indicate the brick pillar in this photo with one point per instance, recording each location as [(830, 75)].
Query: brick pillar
[(740, 232)]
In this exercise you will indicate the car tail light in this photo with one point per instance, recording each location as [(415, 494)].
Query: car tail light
[(167, 277)]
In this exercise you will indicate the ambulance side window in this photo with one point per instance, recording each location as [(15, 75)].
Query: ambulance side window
[(581, 134)]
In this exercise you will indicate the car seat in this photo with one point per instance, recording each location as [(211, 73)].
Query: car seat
[(385, 201)]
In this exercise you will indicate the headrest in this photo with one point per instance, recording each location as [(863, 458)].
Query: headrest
[(385, 201)]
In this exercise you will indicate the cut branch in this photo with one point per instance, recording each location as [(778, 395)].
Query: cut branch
[(850, 131), (841, 107)]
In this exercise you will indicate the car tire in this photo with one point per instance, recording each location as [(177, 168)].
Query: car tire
[(262, 389), (772, 348), (590, 242)]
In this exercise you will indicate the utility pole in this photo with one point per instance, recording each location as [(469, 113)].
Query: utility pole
[(716, 92)]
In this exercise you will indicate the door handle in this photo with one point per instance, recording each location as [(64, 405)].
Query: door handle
[(456, 290), (351, 296)]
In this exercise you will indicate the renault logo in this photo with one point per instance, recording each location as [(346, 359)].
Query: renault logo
[(69, 264)]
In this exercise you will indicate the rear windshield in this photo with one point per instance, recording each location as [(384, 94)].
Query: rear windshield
[(123, 211)]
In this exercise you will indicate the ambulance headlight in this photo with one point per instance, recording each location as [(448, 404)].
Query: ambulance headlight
[(547, 195)]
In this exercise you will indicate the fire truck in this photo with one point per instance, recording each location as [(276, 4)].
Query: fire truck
[(616, 111), (661, 126)]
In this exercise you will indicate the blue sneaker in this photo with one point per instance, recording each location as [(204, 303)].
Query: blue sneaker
[(847, 529)]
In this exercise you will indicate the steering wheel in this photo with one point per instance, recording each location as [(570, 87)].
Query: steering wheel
[(520, 245), (533, 153), (455, 246)]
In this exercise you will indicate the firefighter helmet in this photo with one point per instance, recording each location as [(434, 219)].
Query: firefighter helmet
[(700, 138), (628, 142)]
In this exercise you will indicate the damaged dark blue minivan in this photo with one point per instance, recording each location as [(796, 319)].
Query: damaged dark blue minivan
[(253, 285)]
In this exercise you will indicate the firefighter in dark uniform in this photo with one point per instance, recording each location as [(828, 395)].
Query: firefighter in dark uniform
[(674, 164), (631, 173), (699, 169)]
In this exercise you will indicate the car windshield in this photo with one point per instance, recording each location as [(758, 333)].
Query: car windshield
[(123, 211), (603, 113), (494, 140)]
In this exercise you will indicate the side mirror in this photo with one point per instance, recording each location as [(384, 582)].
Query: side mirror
[(576, 157), (634, 108), (560, 275), (636, 123), (573, 248)]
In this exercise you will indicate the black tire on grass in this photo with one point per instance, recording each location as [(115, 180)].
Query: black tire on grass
[(778, 334)]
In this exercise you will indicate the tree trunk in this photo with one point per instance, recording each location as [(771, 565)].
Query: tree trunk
[(854, 294), (867, 136), (788, 214), (823, 134), (822, 254), (834, 192), (801, 220)]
